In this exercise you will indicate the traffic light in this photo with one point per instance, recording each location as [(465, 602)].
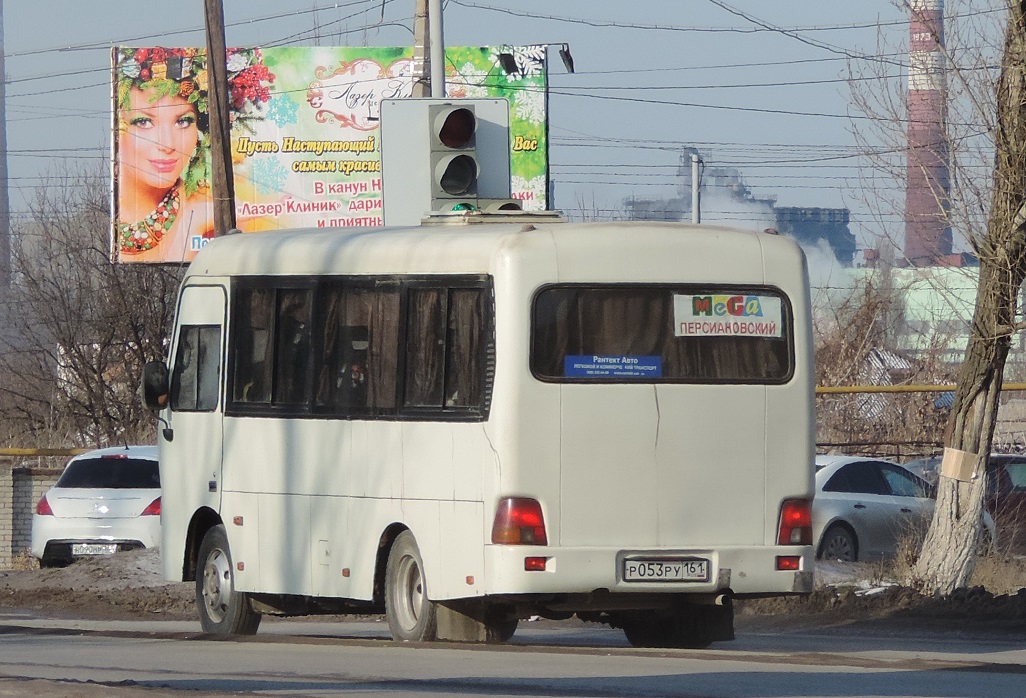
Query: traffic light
[(444, 156), (454, 165)]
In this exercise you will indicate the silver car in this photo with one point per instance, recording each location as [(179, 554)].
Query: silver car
[(105, 501), (865, 507)]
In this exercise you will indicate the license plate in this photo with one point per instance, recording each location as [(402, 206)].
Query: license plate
[(93, 549), (675, 570)]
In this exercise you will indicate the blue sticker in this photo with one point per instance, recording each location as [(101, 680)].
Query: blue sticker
[(594, 366)]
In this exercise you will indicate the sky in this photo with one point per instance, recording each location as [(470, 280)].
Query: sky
[(759, 85)]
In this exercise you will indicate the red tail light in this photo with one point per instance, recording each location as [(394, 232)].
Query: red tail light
[(795, 522), (789, 563), (153, 509), (519, 521), (43, 507)]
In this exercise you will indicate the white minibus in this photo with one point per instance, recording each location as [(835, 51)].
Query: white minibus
[(463, 425)]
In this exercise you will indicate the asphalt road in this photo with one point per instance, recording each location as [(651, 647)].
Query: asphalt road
[(154, 658)]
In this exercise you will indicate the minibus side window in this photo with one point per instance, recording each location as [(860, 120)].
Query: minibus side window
[(445, 332), (361, 347), (425, 348), (252, 347), (194, 382), (359, 370), (463, 358), (292, 340)]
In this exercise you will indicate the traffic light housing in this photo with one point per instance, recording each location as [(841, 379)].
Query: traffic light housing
[(454, 164), (444, 155)]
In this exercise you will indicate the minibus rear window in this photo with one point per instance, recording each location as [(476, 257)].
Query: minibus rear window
[(661, 334)]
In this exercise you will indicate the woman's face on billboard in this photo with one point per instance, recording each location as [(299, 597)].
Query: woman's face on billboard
[(159, 139)]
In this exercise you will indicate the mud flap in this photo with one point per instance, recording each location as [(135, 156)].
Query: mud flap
[(711, 623), (472, 622), (803, 583)]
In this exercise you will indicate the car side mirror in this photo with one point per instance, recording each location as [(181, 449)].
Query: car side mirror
[(154, 386)]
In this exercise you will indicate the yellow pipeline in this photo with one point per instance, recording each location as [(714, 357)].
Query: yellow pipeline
[(820, 390), (42, 451), (840, 389)]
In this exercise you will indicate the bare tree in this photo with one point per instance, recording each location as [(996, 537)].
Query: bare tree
[(78, 328), (948, 556), (855, 345), (985, 142)]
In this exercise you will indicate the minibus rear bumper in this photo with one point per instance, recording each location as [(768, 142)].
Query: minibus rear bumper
[(739, 570)]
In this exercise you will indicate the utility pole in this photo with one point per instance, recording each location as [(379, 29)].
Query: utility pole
[(437, 52), (5, 199), (222, 180), (428, 50), (696, 190), (421, 56)]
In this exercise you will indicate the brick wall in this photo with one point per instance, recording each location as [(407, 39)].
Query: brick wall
[(20, 489), (29, 485), (6, 515)]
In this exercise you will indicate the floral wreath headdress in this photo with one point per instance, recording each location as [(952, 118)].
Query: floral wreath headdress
[(183, 72)]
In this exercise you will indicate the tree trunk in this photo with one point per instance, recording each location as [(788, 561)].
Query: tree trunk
[(949, 552)]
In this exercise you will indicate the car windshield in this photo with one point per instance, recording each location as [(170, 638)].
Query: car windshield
[(111, 473)]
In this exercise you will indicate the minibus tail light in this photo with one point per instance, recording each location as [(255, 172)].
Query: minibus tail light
[(795, 526), (789, 563), (43, 507), (153, 509), (519, 521)]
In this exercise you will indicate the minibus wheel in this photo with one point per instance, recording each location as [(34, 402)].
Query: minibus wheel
[(664, 630), (689, 626), (223, 611), (410, 613), (501, 630)]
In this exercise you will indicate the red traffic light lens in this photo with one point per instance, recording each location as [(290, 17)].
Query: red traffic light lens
[(457, 128)]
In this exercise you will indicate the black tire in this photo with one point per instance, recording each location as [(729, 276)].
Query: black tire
[(410, 613), (501, 631), (223, 611), (650, 631), (667, 629), (839, 543)]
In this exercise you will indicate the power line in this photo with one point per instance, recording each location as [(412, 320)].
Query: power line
[(195, 30), (794, 34), (618, 24)]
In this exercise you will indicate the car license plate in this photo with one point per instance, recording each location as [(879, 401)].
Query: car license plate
[(94, 548), (666, 570)]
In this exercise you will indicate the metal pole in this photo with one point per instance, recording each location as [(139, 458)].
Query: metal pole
[(222, 180), (437, 49), (696, 190)]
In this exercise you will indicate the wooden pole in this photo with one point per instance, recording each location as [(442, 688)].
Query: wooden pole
[(222, 180)]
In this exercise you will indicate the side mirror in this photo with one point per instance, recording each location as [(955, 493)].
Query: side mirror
[(154, 386)]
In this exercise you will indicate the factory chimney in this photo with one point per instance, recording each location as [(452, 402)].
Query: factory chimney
[(927, 231)]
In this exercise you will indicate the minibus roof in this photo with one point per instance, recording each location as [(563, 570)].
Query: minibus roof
[(599, 249)]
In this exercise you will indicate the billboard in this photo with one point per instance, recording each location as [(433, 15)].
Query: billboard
[(305, 137)]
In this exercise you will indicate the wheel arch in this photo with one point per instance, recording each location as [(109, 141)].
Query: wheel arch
[(388, 537), (837, 523), (202, 521)]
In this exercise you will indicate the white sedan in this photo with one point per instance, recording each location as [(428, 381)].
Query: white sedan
[(865, 508), (105, 501)]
